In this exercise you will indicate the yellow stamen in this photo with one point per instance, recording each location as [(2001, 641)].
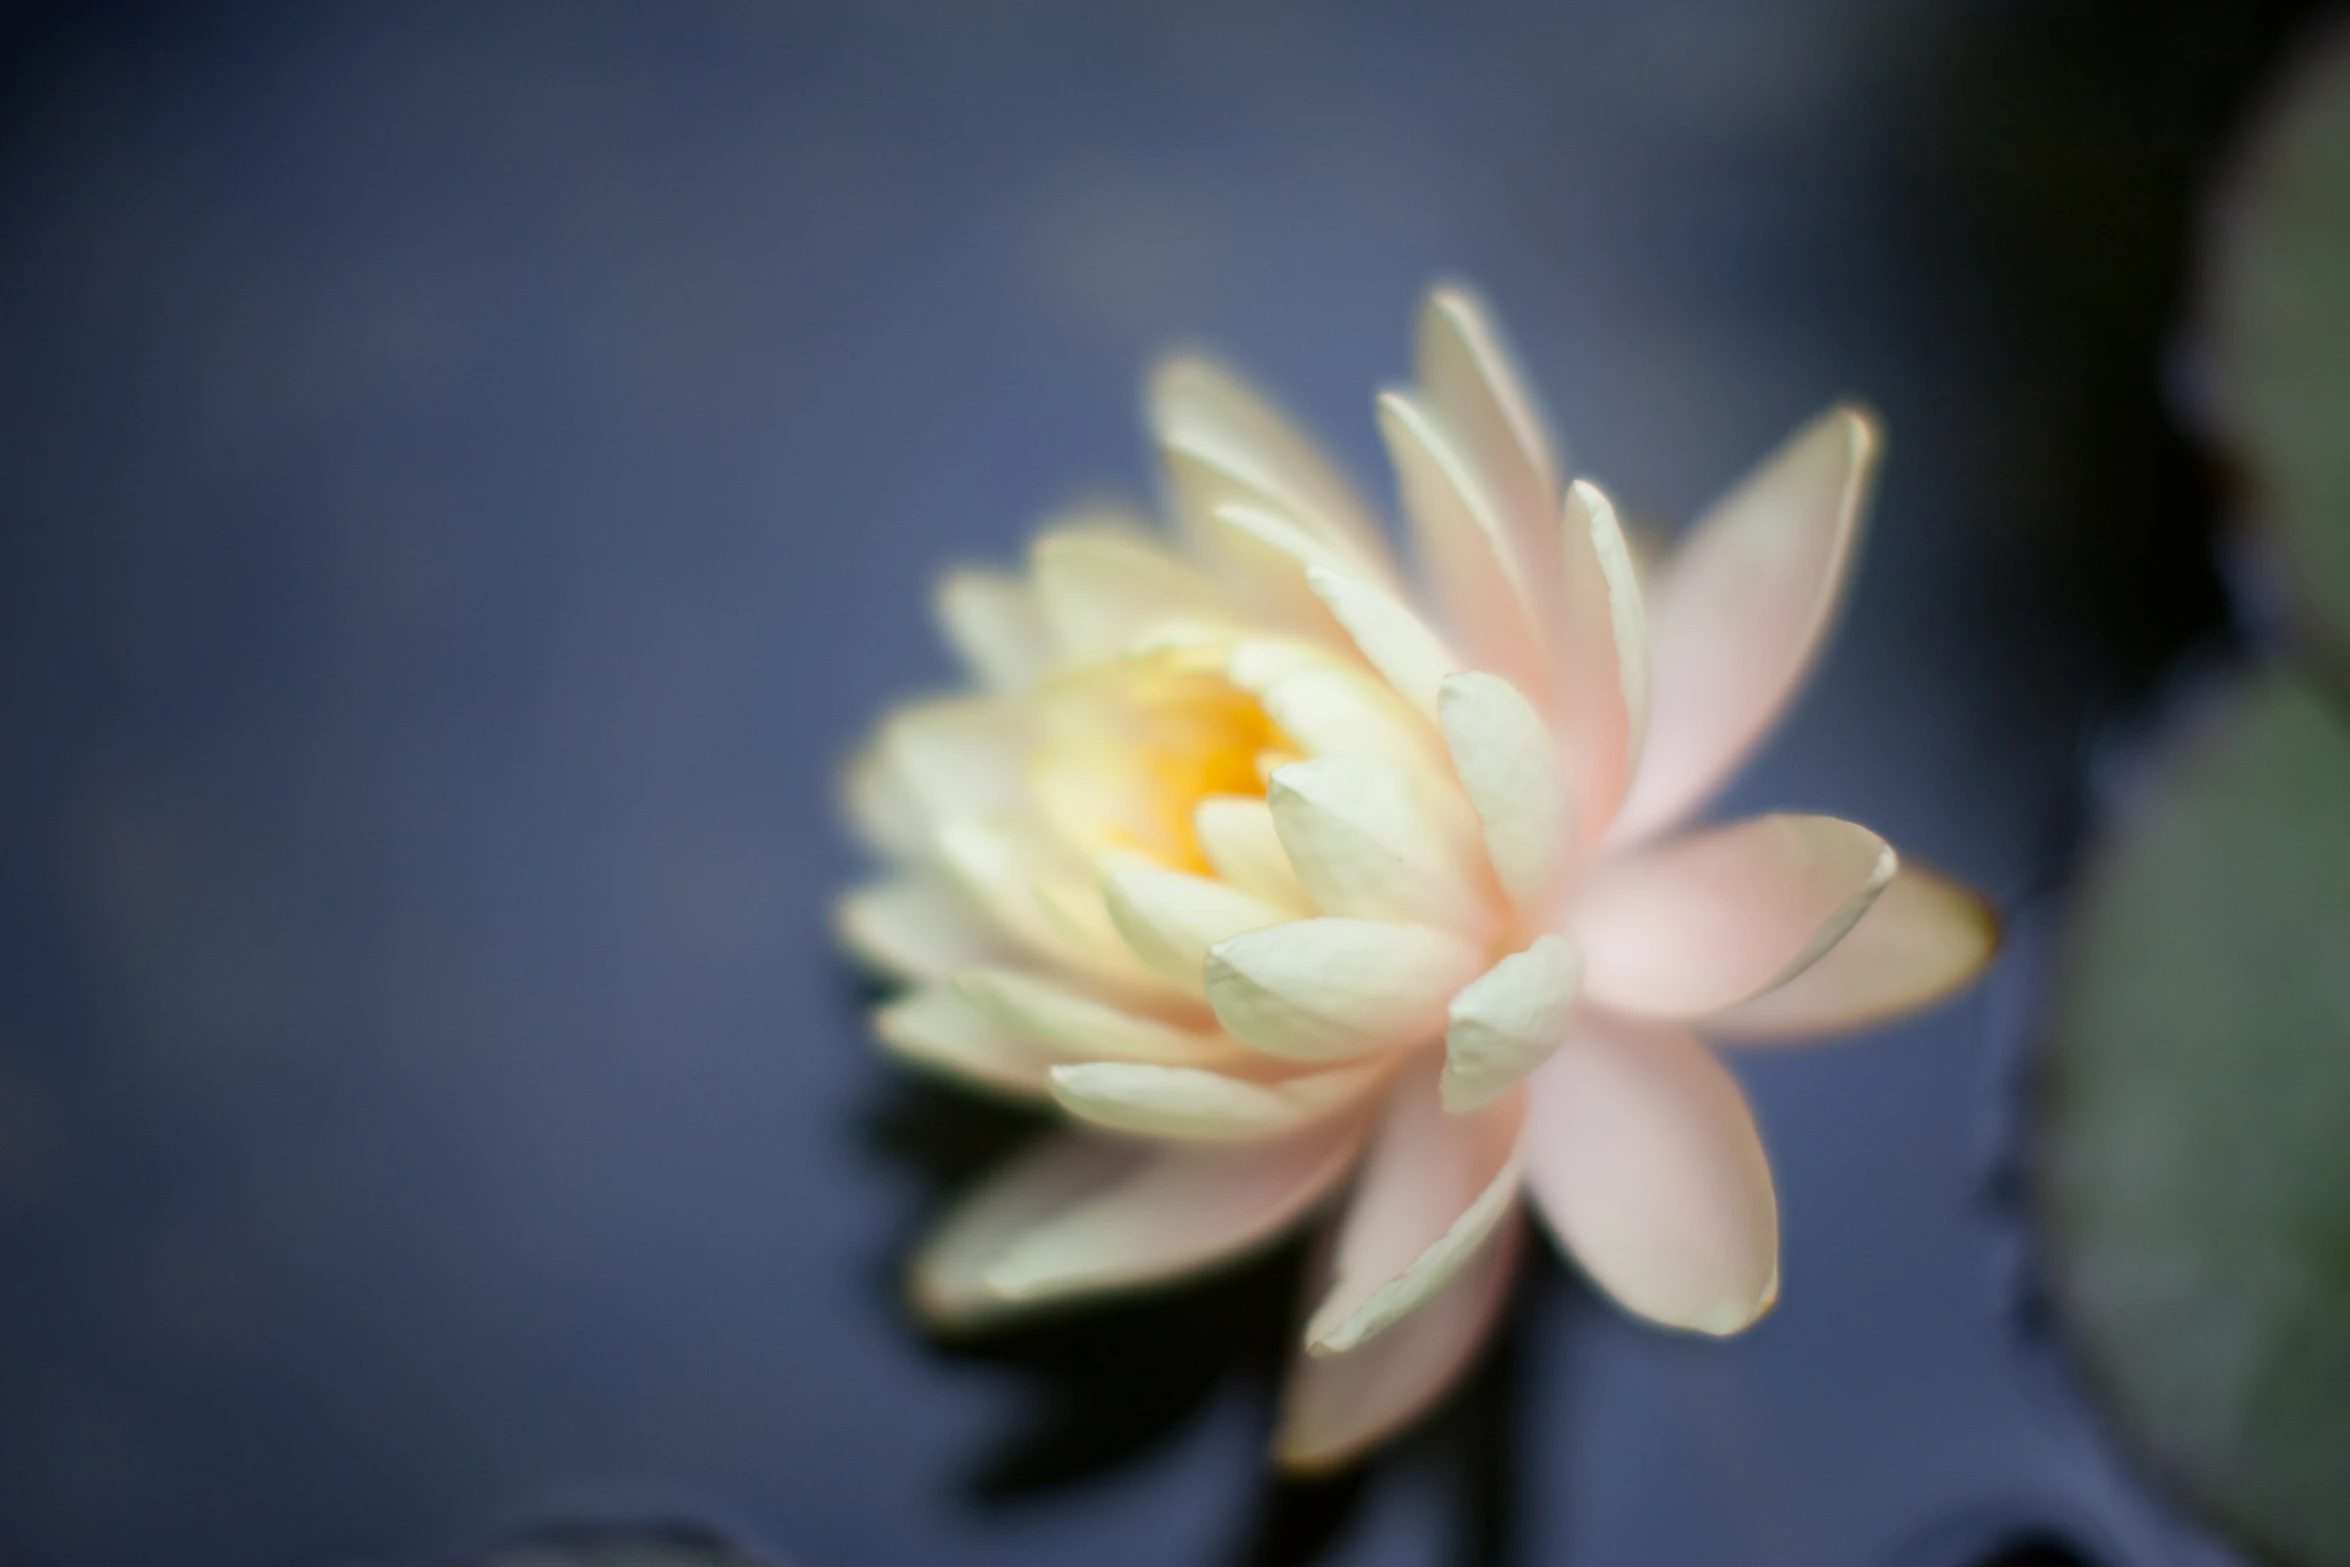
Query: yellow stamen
[(1128, 747)]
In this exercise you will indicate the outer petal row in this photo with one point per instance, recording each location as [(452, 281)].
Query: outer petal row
[(1715, 918), (1433, 1186), (1740, 611), (1923, 938), (1194, 1105), (1082, 1213), (1474, 566), (1644, 1158)]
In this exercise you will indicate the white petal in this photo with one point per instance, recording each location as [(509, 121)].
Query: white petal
[(1273, 555), (1335, 1406), (1363, 845), (1194, 1104), (1325, 989), (1331, 710), (1644, 1159), (934, 1028), (1076, 1026), (1486, 404), (1073, 908), (1476, 571), (958, 758), (993, 622), (916, 927), (1922, 939), (1255, 664), (1225, 442), (1021, 882), (1103, 590), (1237, 835), (1603, 658), (1508, 766), (1707, 921), (887, 817), (1741, 609), (1433, 1186), (1084, 1213), (1508, 1021), (1398, 643), (1171, 919)]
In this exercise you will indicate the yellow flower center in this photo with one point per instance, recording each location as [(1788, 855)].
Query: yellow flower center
[(1127, 748)]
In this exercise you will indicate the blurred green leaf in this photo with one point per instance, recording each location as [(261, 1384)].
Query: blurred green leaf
[(2194, 1163), (2279, 317)]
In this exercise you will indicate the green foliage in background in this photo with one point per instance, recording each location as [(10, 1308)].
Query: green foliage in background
[(2195, 1175), (2277, 329)]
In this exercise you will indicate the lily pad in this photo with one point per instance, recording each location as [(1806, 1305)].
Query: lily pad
[(2279, 317), (2194, 1157)]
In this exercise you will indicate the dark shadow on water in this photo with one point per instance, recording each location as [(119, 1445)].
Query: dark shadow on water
[(659, 1542), (1113, 1383)]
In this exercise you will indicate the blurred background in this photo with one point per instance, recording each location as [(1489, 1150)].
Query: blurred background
[(468, 473)]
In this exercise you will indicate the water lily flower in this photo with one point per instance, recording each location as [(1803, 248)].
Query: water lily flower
[(1286, 875)]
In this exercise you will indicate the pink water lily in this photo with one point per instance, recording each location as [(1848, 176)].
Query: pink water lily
[(1284, 875)]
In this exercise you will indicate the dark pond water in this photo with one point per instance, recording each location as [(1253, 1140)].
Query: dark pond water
[(468, 472)]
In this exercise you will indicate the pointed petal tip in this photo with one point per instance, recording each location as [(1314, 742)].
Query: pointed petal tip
[(1925, 939), (1731, 1317), (1172, 370), (1455, 297), (1864, 426), (1337, 1407), (1462, 1093), (937, 1305)]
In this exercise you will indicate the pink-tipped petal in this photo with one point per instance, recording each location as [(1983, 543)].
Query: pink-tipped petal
[(1644, 1159), (1083, 1213), (1479, 579), (1434, 1185), (1704, 922), (1741, 609), (1924, 938), (1336, 1406), (1603, 659), (1487, 405)]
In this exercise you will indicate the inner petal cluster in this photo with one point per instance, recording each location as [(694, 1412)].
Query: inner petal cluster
[(1127, 748)]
